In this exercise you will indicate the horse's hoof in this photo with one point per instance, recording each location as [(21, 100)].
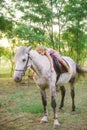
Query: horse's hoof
[(61, 109), (74, 112), (44, 119), (56, 124)]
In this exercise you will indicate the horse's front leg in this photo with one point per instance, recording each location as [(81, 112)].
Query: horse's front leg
[(53, 104), (44, 101)]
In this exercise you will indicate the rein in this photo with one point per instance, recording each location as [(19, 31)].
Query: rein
[(26, 64)]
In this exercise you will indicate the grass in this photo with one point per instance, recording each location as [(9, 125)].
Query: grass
[(21, 107), (0, 103), (24, 103), (32, 108)]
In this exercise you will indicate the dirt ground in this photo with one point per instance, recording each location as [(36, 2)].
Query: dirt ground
[(14, 97)]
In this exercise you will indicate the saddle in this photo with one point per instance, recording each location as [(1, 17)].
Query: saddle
[(58, 67)]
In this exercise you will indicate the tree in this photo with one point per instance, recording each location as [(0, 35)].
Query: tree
[(74, 33), (1, 51), (38, 18)]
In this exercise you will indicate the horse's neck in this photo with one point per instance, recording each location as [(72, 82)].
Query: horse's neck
[(39, 63)]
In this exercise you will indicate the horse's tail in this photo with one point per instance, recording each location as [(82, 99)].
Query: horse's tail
[(81, 70)]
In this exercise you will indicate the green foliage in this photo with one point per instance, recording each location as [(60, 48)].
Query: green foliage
[(34, 1), (7, 53), (1, 1), (30, 34), (76, 10), (5, 24), (74, 35), (76, 42), (2, 49), (36, 24)]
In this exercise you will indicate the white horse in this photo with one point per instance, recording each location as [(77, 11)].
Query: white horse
[(26, 58)]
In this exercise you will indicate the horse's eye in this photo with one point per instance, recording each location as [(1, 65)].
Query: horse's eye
[(24, 60)]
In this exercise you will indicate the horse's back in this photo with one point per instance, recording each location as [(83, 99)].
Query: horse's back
[(70, 62), (65, 77)]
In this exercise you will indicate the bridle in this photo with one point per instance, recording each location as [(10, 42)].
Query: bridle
[(26, 66)]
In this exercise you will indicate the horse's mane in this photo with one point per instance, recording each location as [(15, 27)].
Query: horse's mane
[(21, 50)]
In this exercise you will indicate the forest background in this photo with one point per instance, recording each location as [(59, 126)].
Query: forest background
[(60, 24)]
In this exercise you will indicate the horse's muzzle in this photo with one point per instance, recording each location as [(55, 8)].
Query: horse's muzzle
[(18, 76), (17, 79)]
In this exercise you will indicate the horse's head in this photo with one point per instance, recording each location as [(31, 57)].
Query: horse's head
[(22, 57)]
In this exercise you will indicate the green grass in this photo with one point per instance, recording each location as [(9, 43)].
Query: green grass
[(11, 128), (0, 103), (21, 107), (32, 108)]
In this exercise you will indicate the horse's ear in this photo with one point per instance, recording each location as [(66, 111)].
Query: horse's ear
[(29, 48)]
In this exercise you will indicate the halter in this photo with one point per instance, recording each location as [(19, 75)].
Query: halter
[(26, 64)]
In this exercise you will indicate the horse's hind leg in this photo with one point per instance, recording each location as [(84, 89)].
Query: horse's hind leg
[(63, 91), (44, 101), (72, 83)]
